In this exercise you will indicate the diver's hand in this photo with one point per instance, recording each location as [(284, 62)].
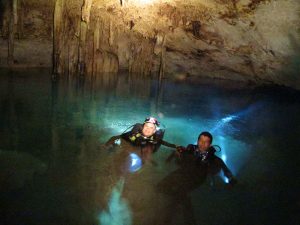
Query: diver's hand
[(111, 143), (115, 140), (180, 149)]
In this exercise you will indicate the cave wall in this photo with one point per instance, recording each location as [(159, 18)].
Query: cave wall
[(92, 40), (31, 24), (245, 40)]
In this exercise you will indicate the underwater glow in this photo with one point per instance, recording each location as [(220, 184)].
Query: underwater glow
[(135, 162), (236, 116), (118, 126), (236, 150), (183, 130), (228, 119), (118, 212), (234, 153), (223, 122), (223, 157)]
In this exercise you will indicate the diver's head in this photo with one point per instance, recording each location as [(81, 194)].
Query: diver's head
[(204, 141), (149, 127)]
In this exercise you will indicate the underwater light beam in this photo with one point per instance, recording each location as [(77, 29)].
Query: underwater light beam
[(118, 212), (236, 116), (230, 118)]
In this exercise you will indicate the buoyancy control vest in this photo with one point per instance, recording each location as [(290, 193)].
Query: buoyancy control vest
[(136, 137)]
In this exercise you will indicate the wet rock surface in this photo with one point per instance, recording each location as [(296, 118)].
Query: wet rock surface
[(245, 40)]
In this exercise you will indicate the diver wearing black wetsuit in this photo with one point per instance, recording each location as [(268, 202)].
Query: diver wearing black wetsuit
[(137, 137), (206, 157), (209, 158)]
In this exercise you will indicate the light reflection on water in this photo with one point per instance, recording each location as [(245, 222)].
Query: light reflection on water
[(64, 124)]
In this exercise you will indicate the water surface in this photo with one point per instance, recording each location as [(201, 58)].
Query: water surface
[(54, 169)]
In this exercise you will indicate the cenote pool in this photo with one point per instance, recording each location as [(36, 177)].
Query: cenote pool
[(55, 169)]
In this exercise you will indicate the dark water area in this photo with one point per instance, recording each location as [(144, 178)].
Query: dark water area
[(54, 168)]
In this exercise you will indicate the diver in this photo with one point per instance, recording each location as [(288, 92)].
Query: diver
[(144, 134), (204, 156), (148, 136)]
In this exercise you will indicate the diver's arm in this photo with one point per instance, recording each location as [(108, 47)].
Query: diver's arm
[(165, 143), (232, 180), (125, 135), (112, 140), (178, 147), (226, 170), (190, 149)]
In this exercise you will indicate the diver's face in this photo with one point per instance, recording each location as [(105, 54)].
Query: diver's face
[(204, 143), (148, 129)]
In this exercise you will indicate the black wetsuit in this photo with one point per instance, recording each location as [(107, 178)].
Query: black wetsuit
[(194, 168), (208, 159), (136, 138)]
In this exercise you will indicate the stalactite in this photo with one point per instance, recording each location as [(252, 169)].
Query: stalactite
[(84, 23), (74, 50), (162, 60), (96, 46), (109, 62), (2, 17), (58, 37), (73, 54), (93, 56), (69, 60), (93, 46), (89, 53), (105, 50), (15, 11), (20, 19), (86, 10), (106, 62), (111, 34), (11, 32), (140, 59), (82, 40)]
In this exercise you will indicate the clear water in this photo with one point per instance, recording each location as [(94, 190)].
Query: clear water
[(54, 169)]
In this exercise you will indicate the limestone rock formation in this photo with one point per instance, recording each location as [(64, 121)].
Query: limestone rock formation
[(244, 40)]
